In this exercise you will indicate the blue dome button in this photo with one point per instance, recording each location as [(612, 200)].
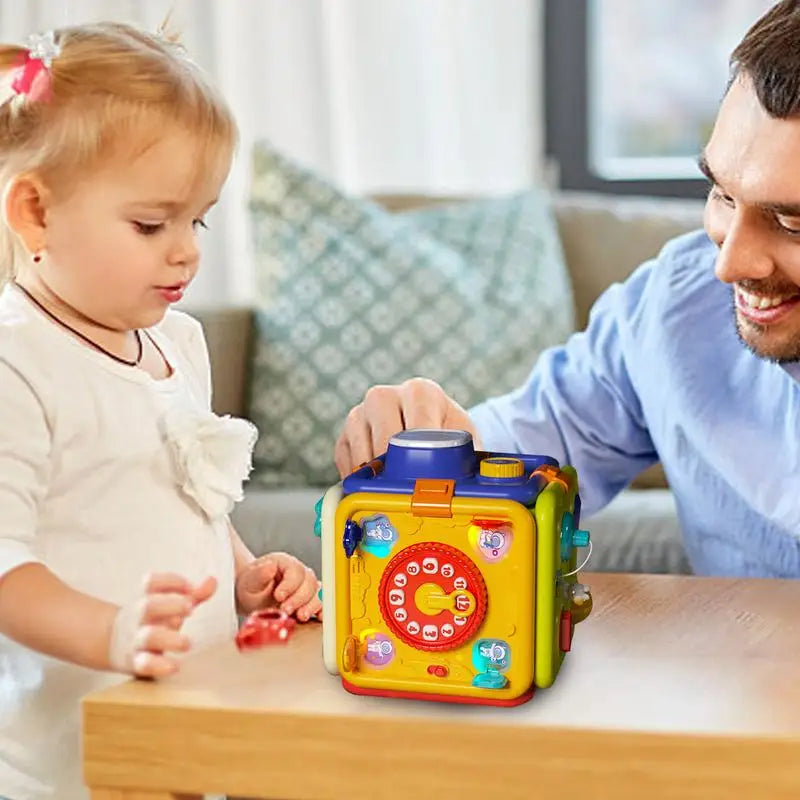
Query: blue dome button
[(430, 453)]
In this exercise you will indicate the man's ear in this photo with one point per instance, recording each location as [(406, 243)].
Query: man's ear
[(25, 209)]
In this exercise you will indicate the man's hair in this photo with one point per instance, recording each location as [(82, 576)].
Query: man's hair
[(769, 55)]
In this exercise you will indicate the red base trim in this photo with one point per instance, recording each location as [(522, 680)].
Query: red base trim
[(439, 698)]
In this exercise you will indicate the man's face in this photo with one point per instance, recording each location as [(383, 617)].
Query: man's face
[(753, 215)]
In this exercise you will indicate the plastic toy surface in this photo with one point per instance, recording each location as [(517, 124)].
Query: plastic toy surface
[(270, 626), (450, 574)]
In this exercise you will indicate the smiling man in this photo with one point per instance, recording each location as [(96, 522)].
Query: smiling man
[(753, 208), (694, 360)]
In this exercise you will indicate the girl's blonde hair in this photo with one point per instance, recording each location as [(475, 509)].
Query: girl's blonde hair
[(114, 89)]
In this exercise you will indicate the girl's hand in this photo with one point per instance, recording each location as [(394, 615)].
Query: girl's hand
[(147, 631), (278, 579)]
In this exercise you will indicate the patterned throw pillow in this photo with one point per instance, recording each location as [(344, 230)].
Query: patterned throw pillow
[(350, 295)]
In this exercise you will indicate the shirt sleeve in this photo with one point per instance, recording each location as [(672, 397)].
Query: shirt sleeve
[(580, 404), (25, 447)]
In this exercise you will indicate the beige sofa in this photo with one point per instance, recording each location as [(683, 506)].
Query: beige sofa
[(603, 239)]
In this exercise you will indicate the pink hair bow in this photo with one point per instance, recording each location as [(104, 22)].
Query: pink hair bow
[(32, 78)]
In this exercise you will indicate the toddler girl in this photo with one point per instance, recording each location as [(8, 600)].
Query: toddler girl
[(116, 479)]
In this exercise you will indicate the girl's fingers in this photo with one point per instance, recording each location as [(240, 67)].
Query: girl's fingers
[(291, 581), (313, 608), (255, 600), (145, 633), (203, 591), (159, 607), (160, 639), (258, 578), (166, 600), (166, 583), (306, 592), (153, 665), (265, 569)]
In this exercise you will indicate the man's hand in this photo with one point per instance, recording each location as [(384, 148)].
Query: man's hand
[(386, 410)]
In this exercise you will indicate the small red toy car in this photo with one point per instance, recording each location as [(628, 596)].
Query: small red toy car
[(270, 626)]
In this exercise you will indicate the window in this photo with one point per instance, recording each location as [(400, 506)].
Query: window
[(632, 89)]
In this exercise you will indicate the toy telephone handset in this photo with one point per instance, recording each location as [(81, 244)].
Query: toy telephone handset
[(450, 574)]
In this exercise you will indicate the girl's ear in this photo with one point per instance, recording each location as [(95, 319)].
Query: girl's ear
[(25, 209)]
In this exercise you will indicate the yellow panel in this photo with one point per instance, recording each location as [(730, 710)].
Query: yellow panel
[(550, 507), (509, 583)]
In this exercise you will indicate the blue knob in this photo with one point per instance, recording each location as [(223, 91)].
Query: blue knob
[(491, 679), (580, 538), (352, 536), (318, 520)]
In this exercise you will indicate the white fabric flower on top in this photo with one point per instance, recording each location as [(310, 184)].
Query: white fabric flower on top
[(212, 456)]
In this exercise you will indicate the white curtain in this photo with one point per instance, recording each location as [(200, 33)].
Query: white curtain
[(434, 96)]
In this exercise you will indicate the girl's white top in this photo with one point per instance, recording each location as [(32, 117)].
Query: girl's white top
[(106, 474)]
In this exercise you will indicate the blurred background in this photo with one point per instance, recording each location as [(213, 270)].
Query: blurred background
[(431, 187), (450, 97)]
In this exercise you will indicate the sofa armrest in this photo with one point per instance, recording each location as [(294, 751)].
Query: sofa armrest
[(229, 334)]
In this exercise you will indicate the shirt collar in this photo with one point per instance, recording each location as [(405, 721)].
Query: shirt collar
[(793, 368)]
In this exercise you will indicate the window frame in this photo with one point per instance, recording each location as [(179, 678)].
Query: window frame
[(567, 112)]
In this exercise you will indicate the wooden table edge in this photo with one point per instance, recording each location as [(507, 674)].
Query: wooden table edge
[(242, 753)]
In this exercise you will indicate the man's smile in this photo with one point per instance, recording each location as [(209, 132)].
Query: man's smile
[(765, 309)]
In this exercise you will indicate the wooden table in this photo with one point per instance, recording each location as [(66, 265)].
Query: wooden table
[(677, 687)]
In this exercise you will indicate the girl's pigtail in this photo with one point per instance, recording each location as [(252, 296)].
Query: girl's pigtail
[(29, 69), (26, 78), (11, 57)]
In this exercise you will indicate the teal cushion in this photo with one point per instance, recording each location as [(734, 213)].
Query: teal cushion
[(350, 295)]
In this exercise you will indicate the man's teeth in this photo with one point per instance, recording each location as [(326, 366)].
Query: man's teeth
[(761, 302)]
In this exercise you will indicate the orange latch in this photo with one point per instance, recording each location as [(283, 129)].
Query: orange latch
[(376, 465), (432, 497), (553, 474)]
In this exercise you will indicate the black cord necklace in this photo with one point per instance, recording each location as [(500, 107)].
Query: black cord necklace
[(84, 337)]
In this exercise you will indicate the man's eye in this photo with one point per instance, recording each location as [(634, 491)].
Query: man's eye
[(790, 226), (726, 199), (199, 222), (148, 228)]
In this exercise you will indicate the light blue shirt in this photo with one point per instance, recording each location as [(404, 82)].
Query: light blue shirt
[(660, 374)]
